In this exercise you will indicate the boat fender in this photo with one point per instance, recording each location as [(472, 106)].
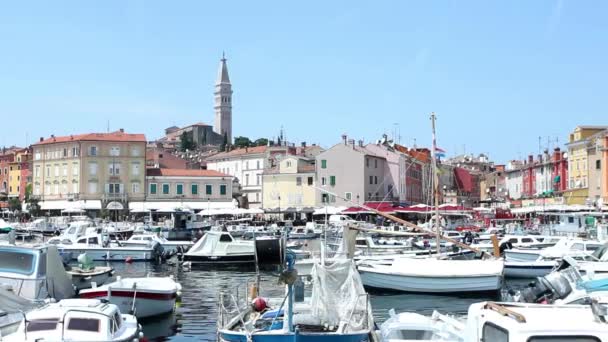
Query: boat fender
[(129, 260), (259, 304)]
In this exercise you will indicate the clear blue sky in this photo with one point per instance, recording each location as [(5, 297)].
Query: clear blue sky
[(498, 74)]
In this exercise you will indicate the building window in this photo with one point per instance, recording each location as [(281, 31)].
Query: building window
[(310, 181), (65, 170), (371, 179), (93, 169), (114, 169), (115, 151), (152, 188), (369, 195), (114, 188), (65, 153), (288, 163), (598, 164), (298, 181), (209, 189), (93, 151), (92, 187), (332, 180), (135, 188), (37, 156), (56, 170), (179, 189), (75, 169), (325, 198), (223, 189), (75, 151), (367, 161), (323, 164), (37, 171), (194, 189), (135, 169), (348, 196), (165, 189), (258, 179), (48, 171), (323, 181), (247, 179), (135, 152), (257, 164), (332, 198), (375, 179), (376, 163)]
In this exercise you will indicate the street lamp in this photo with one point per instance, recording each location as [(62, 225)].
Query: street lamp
[(279, 207)]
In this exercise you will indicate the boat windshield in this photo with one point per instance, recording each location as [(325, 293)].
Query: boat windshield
[(600, 252), (563, 339), (42, 324), (15, 261)]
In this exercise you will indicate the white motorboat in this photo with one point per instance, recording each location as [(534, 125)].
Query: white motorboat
[(144, 297), (77, 320), (34, 272), (220, 248), (41, 225), (432, 275), (383, 246), (410, 326), (510, 241), (302, 233), (565, 246), (170, 247), (100, 248), (502, 322)]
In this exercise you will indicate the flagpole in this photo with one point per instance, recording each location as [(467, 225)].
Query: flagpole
[(435, 185)]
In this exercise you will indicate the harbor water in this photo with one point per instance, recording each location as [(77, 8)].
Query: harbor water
[(195, 318)]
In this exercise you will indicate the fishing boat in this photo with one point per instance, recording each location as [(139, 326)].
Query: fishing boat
[(77, 320), (303, 233), (432, 275), (34, 272), (220, 248), (337, 310), (144, 297), (170, 247), (100, 248), (86, 274)]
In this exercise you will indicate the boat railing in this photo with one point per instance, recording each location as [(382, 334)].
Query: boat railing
[(20, 285), (231, 302), (354, 308)]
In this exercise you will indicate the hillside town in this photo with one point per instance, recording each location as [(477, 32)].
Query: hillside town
[(203, 167)]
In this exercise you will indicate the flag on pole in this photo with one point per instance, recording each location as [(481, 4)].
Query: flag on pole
[(439, 153)]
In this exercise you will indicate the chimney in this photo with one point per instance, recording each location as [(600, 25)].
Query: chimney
[(540, 158), (303, 143), (344, 137), (351, 142), (360, 143), (530, 159), (122, 130), (41, 139)]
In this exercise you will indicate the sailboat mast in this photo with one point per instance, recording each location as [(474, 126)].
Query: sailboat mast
[(435, 184)]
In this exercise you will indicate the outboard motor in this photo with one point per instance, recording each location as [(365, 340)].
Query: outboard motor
[(157, 251), (546, 289), (559, 285)]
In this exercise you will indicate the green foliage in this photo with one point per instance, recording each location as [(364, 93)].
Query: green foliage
[(186, 142), (261, 142), (14, 204), (240, 142)]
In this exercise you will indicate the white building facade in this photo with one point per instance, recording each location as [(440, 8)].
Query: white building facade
[(247, 165), (514, 182)]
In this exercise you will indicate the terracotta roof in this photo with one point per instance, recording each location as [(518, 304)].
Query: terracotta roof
[(239, 152), (114, 136), (184, 173)]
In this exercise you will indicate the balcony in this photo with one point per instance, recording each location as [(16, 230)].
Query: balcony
[(113, 196)]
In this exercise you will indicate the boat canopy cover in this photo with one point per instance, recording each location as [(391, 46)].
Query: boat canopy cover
[(338, 295)]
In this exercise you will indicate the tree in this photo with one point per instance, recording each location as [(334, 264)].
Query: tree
[(240, 142), (224, 146), (261, 142), (186, 142), (14, 204)]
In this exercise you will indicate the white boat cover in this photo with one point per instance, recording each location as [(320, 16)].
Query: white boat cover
[(432, 267), (338, 295)]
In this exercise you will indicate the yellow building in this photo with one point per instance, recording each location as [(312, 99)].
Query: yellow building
[(18, 176), (578, 164), (96, 170), (290, 186)]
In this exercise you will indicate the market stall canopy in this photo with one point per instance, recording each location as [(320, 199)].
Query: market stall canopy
[(383, 207), (230, 211), (328, 210), (68, 205), (171, 206)]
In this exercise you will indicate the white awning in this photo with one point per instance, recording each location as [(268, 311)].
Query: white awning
[(179, 205), (71, 205), (230, 211), (329, 210)]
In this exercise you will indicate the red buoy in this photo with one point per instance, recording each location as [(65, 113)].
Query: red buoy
[(259, 304), (129, 260)]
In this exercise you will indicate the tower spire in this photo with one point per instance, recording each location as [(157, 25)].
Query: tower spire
[(223, 101)]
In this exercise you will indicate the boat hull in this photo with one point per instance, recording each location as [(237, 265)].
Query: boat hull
[(85, 280), (109, 254), (220, 259), (524, 269), (418, 284), (147, 304), (520, 255), (230, 336)]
